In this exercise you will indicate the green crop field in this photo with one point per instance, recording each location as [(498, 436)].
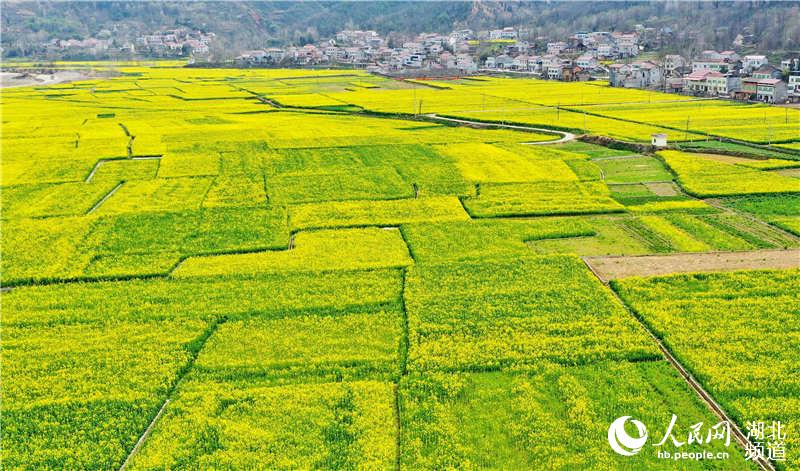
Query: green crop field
[(210, 268)]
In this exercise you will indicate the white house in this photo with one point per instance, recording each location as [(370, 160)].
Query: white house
[(586, 61), (507, 33), (750, 63), (673, 62), (793, 88), (556, 47), (658, 140), (606, 50)]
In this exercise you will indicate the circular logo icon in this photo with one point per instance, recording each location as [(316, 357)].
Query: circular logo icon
[(621, 442)]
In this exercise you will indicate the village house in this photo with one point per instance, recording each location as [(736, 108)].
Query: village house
[(507, 33), (753, 62), (358, 38), (766, 90), (586, 61), (730, 56), (556, 47), (674, 64), (716, 65), (767, 72), (606, 51), (793, 87), (574, 73), (639, 74), (519, 47), (460, 35), (674, 84), (466, 64), (252, 57), (555, 72), (627, 44), (521, 62), (718, 84)]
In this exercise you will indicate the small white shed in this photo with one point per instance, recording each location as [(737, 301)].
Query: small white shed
[(659, 140)]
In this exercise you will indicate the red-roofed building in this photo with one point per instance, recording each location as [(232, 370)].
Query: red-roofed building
[(766, 90), (711, 83)]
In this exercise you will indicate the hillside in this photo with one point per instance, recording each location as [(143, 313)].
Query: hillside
[(245, 25)]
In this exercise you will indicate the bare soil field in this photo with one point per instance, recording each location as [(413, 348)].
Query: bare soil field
[(615, 267), (789, 172), (662, 188)]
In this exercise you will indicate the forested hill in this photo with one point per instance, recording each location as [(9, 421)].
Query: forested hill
[(243, 25)]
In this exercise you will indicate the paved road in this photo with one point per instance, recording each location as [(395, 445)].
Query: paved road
[(565, 136)]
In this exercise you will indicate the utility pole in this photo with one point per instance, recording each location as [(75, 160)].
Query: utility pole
[(686, 133), (414, 102)]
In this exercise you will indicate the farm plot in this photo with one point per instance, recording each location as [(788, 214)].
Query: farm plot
[(673, 232), (132, 244), (314, 251), (162, 194), (702, 176), (782, 211), (632, 169), (761, 164), (64, 399), (748, 359), (305, 347), (375, 213), (556, 118), (325, 425), (612, 268), (755, 123), (657, 197), (181, 165), (59, 199), (124, 170), (83, 412), (487, 163), (755, 232), (319, 129), (611, 235), (505, 419), (236, 297), (360, 172), (487, 239), (473, 316), (236, 192), (42, 248), (541, 198), (713, 146)]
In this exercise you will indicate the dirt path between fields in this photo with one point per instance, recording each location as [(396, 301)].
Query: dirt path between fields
[(565, 136), (614, 267)]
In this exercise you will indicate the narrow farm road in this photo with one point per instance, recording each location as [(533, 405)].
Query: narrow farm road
[(565, 136)]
